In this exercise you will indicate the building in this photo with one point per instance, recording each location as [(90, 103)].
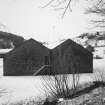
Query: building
[(33, 58), (70, 57), (26, 59)]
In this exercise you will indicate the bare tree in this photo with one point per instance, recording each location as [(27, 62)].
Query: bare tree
[(97, 8), (62, 85), (63, 5)]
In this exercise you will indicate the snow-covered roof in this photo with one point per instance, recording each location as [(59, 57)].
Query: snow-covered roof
[(4, 51)]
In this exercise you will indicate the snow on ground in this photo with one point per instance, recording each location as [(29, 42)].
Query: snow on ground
[(22, 87), (99, 65)]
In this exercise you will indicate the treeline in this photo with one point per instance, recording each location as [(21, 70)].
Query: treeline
[(93, 35), (8, 40)]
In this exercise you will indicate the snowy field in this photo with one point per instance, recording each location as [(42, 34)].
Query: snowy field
[(21, 87)]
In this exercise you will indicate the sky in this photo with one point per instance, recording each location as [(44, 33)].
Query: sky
[(26, 18)]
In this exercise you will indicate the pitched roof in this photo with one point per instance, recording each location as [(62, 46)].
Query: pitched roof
[(30, 44), (75, 46)]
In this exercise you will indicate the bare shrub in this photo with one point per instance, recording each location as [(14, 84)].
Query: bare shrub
[(60, 86), (99, 76), (99, 79)]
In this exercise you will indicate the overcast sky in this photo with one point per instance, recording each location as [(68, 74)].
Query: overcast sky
[(26, 18)]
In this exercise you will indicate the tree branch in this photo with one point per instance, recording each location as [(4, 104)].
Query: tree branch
[(68, 6), (59, 5)]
